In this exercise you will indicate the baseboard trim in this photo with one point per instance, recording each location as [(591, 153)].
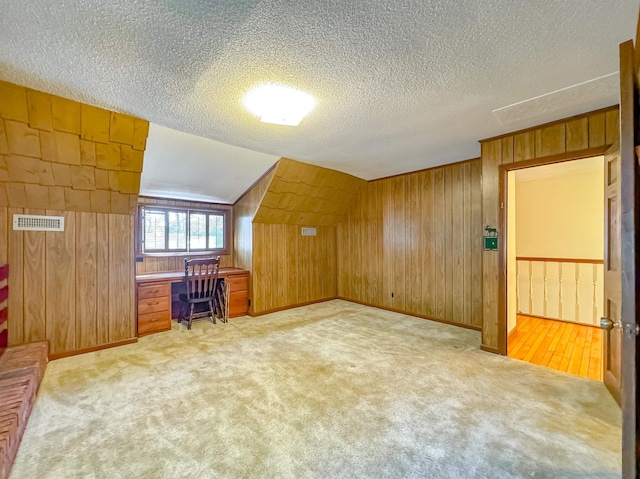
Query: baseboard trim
[(489, 349), (560, 320), (408, 313), (512, 333), (66, 354), (291, 306)]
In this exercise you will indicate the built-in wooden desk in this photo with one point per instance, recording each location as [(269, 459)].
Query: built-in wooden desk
[(158, 297)]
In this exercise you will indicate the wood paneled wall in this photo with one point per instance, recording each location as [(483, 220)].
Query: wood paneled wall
[(286, 268), (154, 264), (289, 268), (412, 243), (63, 155), (75, 288), (59, 157), (244, 211), (575, 134), (303, 194)]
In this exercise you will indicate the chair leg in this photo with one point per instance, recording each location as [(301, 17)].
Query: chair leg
[(213, 314), (220, 302), (190, 316)]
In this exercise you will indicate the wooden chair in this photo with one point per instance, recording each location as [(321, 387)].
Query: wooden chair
[(201, 278)]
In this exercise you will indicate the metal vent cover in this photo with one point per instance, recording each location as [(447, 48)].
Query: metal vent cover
[(308, 231), (38, 223)]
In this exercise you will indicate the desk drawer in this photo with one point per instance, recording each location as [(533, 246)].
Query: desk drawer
[(239, 282), (152, 322), (238, 303), (153, 305), (153, 290)]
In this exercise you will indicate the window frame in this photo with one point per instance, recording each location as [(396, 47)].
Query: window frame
[(140, 250)]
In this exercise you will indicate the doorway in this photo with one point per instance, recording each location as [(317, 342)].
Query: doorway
[(555, 267)]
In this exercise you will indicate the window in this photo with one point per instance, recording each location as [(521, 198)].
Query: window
[(168, 230)]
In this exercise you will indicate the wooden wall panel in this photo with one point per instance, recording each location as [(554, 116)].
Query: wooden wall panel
[(34, 283), (440, 240), (387, 248), (4, 228), (243, 212), (491, 160), (15, 259), (457, 242), (467, 238), (475, 261), (156, 264), (406, 235), (63, 284), (576, 134), (56, 162), (299, 193), (397, 228), (414, 288), (289, 268), (86, 280), (425, 181), (121, 309), (102, 282)]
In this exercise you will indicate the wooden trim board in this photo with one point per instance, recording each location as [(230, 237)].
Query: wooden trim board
[(292, 306), (421, 316), (561, 260), (53, 357), (556, 319)]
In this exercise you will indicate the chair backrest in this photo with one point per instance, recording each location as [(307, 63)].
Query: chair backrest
[(201, 276)]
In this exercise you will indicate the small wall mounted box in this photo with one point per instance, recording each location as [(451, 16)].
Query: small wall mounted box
[(490, 239), (491, 243)]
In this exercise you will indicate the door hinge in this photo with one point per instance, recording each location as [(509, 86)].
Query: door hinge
[(631, 329)]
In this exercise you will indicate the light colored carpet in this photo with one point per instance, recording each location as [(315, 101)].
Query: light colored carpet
[(326, 391)]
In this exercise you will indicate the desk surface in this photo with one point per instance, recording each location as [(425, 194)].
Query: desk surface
[(178, 275)]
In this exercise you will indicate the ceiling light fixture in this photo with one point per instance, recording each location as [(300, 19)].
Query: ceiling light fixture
[(279, 104)]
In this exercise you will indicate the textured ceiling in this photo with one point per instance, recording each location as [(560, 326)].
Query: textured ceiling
[(401, 84)]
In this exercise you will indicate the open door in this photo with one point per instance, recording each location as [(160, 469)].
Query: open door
[(611, 323), (621, 262)]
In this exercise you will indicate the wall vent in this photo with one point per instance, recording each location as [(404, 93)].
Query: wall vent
[(38, 223), (308, 231)]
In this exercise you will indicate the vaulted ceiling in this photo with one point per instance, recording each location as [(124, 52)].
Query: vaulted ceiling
[(401, 84)]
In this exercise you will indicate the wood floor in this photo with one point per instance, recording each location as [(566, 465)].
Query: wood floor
[(569, 347)]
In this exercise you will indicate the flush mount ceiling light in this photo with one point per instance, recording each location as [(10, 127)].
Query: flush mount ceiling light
[(279, 104)]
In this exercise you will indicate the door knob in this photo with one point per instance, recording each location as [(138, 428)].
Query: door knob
[(608, 325)]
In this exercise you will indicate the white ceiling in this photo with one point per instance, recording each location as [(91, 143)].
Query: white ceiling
[(401, 84), (180, 165)]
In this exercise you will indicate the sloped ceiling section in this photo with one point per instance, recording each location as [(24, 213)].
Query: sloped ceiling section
[(303, 194), (179, 165)]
